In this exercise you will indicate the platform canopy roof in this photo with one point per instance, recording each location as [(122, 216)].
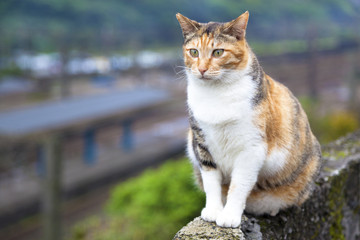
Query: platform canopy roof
[(70, 113)]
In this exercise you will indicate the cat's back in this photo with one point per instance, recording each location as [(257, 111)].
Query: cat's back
[(293, 153), (281, 117)]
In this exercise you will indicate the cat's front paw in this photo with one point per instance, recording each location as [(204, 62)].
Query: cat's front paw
[(210, 214), (228, 219)]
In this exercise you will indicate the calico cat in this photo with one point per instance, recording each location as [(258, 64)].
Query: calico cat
[(249, 140)]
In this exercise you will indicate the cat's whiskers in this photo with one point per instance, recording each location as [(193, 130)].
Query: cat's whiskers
[(181, 74), (183, 69)]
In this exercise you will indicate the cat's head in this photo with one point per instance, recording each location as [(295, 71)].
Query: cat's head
[(211, 50)]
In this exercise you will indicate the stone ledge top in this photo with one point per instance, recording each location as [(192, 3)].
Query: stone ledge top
[(200, 229)]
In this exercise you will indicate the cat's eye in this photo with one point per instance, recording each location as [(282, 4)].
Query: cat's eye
[(218, 52), (194, 52)]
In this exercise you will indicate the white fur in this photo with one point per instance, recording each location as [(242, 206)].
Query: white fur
[(274, 162), (265, 204), (191, 154), (212, 187), (243, 177), (217, 102), (223, 110)]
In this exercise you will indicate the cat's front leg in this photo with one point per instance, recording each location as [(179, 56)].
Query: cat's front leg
[(212, 186), (243, 178)]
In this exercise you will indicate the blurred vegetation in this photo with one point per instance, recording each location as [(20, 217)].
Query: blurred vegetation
[(331, 125), (112, 25), (11, 71), (154, 205)]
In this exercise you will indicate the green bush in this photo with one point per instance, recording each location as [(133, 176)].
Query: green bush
[(154, 205), (11, 71), (341, 123), (329, 126)]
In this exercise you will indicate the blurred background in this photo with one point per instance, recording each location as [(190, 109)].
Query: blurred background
[(93, 105)]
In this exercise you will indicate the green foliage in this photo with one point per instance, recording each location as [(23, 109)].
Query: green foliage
[(330, 126), (11, 71), (341, 123), (279, 47), (154, 205), (51, 25), (81, 231)]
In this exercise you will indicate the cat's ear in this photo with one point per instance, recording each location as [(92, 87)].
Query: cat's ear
[(237, 27), (187, 25)]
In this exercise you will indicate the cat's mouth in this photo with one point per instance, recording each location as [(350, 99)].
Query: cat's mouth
[(206, 78)]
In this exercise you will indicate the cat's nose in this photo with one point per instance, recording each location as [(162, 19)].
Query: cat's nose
[(202, 71)]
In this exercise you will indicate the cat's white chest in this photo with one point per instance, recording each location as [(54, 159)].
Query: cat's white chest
[(225, 115), (219, 104)]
